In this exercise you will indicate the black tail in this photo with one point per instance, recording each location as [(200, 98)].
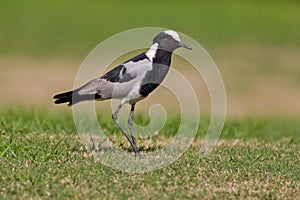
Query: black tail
[(65, 97), (72, 97)]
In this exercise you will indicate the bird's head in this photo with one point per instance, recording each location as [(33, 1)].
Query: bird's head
[(169, 40)]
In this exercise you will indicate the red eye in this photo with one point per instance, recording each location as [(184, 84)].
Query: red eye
[(170, 37)]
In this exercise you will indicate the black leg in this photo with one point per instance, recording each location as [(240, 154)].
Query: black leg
[(115, 118), (130, 123)]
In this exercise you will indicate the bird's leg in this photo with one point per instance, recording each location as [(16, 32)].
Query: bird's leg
[(130, 123), (115, 118)]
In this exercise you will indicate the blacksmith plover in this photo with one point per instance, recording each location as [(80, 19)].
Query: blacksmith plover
[(131, 81)]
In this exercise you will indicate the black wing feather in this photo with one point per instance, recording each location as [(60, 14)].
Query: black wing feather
[(114, 74), (119, 73)]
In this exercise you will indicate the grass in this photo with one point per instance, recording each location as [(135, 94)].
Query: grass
[(42, 157)]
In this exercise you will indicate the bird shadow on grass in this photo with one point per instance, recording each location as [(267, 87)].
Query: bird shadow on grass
[(142, 148), (127, 149), (95, 145)]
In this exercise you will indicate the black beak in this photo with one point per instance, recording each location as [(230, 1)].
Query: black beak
[(184, 45)]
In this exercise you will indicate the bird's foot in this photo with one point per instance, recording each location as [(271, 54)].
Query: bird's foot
[(138, 155)]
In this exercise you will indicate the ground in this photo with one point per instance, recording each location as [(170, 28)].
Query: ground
[(43, 157)]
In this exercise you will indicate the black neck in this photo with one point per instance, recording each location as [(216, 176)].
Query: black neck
[(163, 57)]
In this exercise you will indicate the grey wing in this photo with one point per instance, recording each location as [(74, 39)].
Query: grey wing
[(105, 84), (120, 74), (120, 81)]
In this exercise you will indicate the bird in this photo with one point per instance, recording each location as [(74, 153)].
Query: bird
[(131, 81)]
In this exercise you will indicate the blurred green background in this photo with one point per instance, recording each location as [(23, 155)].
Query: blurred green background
[(75, 27), (256, 45)]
